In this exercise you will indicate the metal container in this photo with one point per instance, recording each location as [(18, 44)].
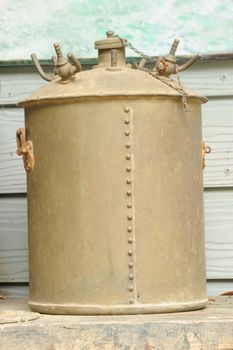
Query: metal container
[(114, 181)]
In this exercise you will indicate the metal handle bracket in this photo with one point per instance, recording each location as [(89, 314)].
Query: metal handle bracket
[(25, 149), (205, 150)]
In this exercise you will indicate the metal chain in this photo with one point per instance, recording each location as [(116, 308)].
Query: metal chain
[(128, 44), (179, 89), (153, 59), (140, 53), (182, 91)]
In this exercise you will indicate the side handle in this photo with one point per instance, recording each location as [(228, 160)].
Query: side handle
[(205, 150), (25, 149)]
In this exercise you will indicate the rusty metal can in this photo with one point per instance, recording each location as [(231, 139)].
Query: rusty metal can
[(115, 198)]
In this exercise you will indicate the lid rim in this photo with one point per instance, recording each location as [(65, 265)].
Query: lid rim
[(101, 82), (108, 46), (51, 99)]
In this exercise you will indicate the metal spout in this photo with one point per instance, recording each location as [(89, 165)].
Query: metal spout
[(62, 66), (165, 66)]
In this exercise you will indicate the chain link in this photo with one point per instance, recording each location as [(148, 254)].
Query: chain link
[(128, 44), (182, 91), (179, 89), (140, 53)]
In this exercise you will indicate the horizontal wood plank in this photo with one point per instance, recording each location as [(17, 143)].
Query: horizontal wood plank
[(13, 291), (210, 79), (17, 86), (12, 173), (219, 237), (218, 134), (219, 233), (13, 240)]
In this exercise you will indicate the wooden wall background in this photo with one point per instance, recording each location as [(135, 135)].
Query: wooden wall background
[(213, 79)]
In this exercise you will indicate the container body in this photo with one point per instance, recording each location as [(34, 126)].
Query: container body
[(115, 207)]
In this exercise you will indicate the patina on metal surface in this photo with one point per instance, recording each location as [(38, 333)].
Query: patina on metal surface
[(115, 201)]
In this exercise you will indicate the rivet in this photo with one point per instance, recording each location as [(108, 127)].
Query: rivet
[(130, 240), (130, 252), (130, 301), (127, 145), (129, 229), (126, 121), (129, 205), (130, 276), (129, 193), (129, 217), (130, 264), (127, 132), (131, 288), (128, 157), (127, 109), (128, 169), (128, 181)]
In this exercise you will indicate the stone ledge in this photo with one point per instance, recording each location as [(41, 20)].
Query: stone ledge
[(208, 329)]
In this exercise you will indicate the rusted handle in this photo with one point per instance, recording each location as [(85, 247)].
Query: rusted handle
[(25, 149), (205, 150)]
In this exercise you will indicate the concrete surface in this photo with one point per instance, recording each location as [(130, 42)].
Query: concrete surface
[(208, 329)]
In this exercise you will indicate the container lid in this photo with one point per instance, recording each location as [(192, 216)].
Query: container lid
[(112, 41), (69, 83), (100, 83)]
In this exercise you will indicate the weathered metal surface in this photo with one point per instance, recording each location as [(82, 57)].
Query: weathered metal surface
[(208, 329), (115, 198)]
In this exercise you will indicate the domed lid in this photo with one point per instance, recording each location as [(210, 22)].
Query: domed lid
[(105, 83), (111, 77)]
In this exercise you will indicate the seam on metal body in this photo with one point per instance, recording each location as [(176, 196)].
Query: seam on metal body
[(132, 285)]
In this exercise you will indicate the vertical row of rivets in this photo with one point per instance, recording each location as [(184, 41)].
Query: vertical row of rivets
[(129, 205)]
